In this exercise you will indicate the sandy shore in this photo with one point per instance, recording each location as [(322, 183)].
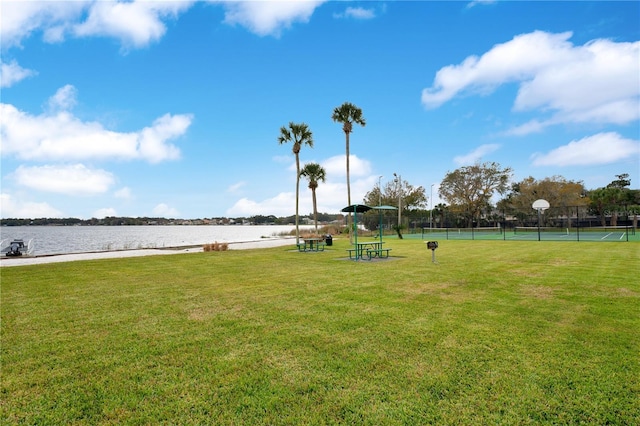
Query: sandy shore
[(35, 260)]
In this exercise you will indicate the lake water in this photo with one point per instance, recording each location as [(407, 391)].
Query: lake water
[(82, 239)]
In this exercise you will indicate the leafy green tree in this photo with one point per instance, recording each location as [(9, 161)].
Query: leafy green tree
[(411, 199), (601, 200), (469, 189), (263, 220), (612, 199), (439, 214), (564, 197), (299, 135), (634, 207), (315, 173), (621, 182), (348, 114), (621, 198)]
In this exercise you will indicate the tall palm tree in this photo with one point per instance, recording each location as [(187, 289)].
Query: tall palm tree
[(314, 172), (440, 210), (299, 134), (347, 114)]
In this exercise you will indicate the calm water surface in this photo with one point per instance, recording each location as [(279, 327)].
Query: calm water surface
[(80, 239)]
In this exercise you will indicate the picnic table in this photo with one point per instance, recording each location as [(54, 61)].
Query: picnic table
[(370, 248), (312, 244)]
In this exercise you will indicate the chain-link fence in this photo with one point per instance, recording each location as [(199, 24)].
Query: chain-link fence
[(567, 223)]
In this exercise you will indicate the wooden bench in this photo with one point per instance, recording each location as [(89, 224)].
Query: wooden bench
[(378, 252)]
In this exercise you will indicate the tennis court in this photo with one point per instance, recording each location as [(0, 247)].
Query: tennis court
[(534, 233)]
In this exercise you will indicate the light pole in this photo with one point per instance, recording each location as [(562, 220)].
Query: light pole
[(431, 209), (379, 210), (399, 188)]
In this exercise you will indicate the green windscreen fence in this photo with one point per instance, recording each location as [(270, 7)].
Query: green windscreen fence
[(566, 223), (532, 233)]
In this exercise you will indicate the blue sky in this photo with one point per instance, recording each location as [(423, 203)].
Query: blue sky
[(173, 109)]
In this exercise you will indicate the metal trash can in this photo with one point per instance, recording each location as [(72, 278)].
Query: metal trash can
[(328, 239)]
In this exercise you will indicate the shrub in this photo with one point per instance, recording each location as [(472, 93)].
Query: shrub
[(216, 247)]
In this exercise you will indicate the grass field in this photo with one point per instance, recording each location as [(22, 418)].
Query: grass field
[(496, 332)]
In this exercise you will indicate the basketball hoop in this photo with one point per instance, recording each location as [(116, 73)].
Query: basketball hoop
[(540, 205)]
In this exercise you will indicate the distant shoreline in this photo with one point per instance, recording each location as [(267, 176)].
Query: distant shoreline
[(86, 239), (114, 254)]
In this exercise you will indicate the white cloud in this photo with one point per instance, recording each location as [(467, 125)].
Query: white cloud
[(19, 19), (533, 126), (516, 60), (10, 207), (480, 2), (64, 99), (12, 73), (282, 204), (337, 166), (332, 194), (139, 23), (152, 140), (284, 159), (236, 187), (356, 13), (124, 193), (135, 23), (596, 82), (332, 197), (476, 154), (603, 148), (71, 179), (62, 136), (268, 17), (106, 212), (163, 210)]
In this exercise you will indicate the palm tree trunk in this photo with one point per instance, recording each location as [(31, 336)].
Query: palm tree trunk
[(315, 209), (349, 221), (297, 197)]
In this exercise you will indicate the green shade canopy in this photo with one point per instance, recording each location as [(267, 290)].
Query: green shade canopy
[(380, 208), (356, 208), (384, 208)]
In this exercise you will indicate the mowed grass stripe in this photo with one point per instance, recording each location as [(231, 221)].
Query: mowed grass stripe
[(495, 332)]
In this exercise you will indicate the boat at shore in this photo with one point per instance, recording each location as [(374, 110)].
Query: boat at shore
[(16, 247)]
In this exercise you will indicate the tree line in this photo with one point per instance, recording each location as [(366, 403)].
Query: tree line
[(161, 221), (468, 193)]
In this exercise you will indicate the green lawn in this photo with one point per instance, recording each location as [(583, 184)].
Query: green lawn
[(497, 332)]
